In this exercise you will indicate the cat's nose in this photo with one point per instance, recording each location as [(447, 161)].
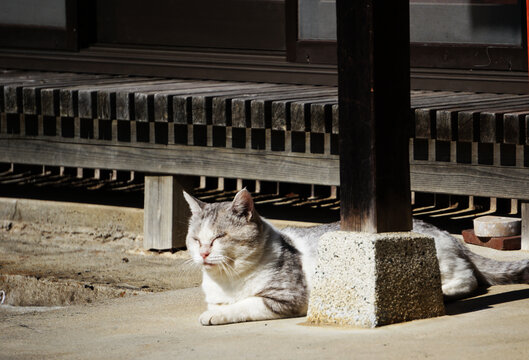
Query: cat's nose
[(204, 254)]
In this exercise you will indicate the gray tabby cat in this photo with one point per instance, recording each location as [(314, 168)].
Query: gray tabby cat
[(253, 271)]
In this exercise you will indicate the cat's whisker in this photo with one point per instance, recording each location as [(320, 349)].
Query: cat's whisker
[(230, 270)]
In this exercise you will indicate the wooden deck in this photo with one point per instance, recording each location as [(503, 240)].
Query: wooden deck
[(462, 143)]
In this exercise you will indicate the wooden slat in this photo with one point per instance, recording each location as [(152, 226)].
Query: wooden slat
[(107, 100), (428, 113), (321, 116), (513, 126), (253, 107), (468, 179), (335, 122), (183, 103), (491, 124), (175, 159), (261, 107), (281, 107), (459, 179), (12, 87), (163, 100), (300, 112), (82, 99), (202, 104), (144, 100), (32, 97)]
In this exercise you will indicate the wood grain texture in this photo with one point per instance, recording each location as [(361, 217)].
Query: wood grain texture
[(166, 213), (175, 159), (470, 179), (374, 115), (449, 178), (525, 226)]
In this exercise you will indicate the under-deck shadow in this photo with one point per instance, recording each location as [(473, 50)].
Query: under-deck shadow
[(484, 302)]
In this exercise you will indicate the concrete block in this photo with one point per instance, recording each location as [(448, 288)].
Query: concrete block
[(496, 226), (369, 280)]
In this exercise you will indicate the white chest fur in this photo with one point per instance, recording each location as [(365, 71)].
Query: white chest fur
[(221, 291)]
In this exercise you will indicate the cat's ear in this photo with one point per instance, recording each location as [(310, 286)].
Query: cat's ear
[(195, 205), (243, 205)]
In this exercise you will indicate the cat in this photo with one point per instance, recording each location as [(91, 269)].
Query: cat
[(253, 271)]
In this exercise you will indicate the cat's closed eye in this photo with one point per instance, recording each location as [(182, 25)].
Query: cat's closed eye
[(219, 236)]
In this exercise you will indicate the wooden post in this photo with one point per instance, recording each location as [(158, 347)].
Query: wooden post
[(166, 213), (525, 226), (374, 100)]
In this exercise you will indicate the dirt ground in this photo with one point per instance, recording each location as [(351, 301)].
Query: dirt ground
[(48, 265)]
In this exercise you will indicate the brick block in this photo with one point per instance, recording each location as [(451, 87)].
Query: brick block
[(498, 243)]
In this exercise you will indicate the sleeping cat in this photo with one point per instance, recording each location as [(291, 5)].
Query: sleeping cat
[(253, 271)]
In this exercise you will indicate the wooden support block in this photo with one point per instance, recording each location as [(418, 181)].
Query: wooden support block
[(498, 243), (512, 124), (423, 123), (22, 124), (240, 111), (525, 226), (335, 119), (279, 115), (219, 113), (68, 102), (182, 109), (124, 105), (166, 213), (445, 121), (261, 113), (13, 99), (40, 125), (465, 126), (114, 130), (170, 133), (163, 109), (49, 102), (87, 104), (299, 116), (31, 100), (105, 102), (77, 127), (488, 126), (58, 126), (318, 114), (143, 107)]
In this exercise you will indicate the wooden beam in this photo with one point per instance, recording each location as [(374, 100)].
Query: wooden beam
[(262, 165), (374, 101), (266, 165)]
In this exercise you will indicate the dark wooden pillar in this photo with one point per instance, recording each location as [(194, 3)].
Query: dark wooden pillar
[(374, 100)]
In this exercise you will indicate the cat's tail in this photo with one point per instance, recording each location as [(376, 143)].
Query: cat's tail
[(493, 272)]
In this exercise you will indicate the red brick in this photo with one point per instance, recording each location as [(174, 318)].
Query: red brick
[(498, 243)]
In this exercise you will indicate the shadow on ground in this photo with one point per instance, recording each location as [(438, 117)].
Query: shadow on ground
[(484, 302)]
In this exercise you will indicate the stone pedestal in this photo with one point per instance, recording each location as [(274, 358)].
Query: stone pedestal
[(370, 280)]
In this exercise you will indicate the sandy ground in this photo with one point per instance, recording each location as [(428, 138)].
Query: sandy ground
[(44, 265), (95, 294)]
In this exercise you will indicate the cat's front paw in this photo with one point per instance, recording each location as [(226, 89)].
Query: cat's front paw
[(212, 317)]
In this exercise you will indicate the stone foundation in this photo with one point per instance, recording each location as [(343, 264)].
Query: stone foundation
[(370, 280)]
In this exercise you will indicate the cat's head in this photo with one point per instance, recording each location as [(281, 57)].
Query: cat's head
[(224, 237)]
